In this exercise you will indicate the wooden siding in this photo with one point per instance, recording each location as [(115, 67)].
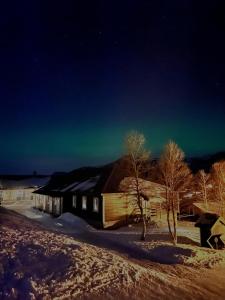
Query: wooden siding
[(119, 207), (116, 208), (49, 204)]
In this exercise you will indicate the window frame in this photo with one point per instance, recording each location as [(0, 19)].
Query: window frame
[(74, 201), (84, 202), (96, 204)]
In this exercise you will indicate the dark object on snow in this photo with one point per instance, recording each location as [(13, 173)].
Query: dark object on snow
[(212, 230)]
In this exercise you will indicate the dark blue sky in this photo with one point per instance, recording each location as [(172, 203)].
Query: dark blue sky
[(77, 75)]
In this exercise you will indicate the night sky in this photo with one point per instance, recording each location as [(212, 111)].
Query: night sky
[(76, 76)]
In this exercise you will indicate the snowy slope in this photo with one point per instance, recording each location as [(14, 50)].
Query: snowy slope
[(38, 263)]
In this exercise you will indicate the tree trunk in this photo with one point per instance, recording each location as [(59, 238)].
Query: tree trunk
[(168, 212), (205, 195), (178, 205), (143, 235), (168, 222), (174, 224)]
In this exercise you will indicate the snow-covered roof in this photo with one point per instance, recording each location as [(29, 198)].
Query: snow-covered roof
[(94, 180), (70, 186), (86, 185), (86, 179), (212, 207), (189, 195), (154, 191)]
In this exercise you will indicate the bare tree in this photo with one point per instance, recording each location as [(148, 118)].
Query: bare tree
[(138, 157), (174, 175), (202, 183), (218, 181)]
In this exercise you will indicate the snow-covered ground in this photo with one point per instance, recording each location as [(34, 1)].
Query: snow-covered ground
[(126, 240), (39, 263), (65, 258), (157, 245), (183, 254)]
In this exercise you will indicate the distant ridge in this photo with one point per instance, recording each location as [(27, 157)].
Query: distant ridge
[(20, 177), (204, 162), (195, 163)]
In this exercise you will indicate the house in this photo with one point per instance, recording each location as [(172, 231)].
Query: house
[(19, 188), (95, 194), (187, 200)]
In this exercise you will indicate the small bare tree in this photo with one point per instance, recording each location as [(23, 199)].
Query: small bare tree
[(202, 184), (218, 181), (174, 175), (138, 158)]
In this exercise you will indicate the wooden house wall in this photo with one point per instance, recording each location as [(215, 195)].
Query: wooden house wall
[(196, 210), (119, 207), (114, 208), (49, 204), (38, 200), (88, 214), (57, 205)]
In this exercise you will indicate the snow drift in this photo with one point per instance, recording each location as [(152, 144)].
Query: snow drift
[(75, 221), (40, 264), (194, 256)]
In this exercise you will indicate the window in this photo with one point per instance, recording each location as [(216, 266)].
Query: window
[(84, 202), (74, 201), (95, 204)]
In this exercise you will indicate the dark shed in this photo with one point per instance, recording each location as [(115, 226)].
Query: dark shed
[(212, 229)]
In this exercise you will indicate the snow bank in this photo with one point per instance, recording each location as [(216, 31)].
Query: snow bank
[(76, 222), (194, 256), (70, 218), (39, 264)]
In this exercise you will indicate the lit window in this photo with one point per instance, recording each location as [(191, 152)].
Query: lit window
[(74, 201), (84, 202), (95, 204)]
